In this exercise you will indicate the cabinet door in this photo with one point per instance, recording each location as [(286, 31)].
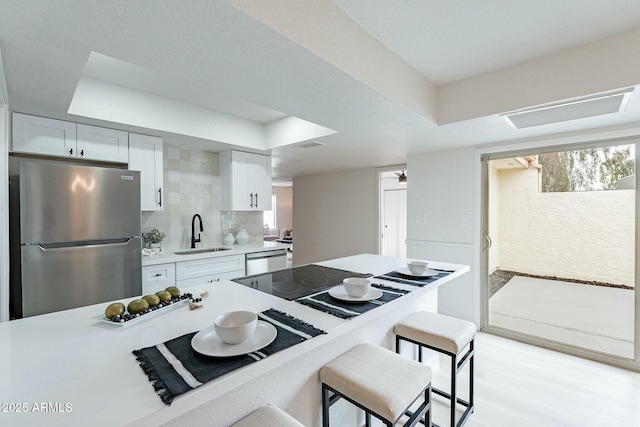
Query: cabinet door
[(158, 277), (245, 180), (186, 283), (208, 266), (229, 275), (40, 135), (96, 143), (261, 182), (242, 170), (145, 155)]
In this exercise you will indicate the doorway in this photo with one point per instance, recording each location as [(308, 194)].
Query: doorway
[(560, 247), (393, 212)]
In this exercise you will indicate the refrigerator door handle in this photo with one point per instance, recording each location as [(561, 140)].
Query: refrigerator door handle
[(87, 243)]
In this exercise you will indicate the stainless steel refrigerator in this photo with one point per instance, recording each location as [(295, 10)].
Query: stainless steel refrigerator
[(75, 236)]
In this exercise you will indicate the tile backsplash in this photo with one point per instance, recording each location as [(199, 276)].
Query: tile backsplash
[(192, 186)]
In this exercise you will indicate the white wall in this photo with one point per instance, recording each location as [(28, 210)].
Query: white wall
[(4, 197), (4, 216), (335, 215), (441, 192), (284, 210)]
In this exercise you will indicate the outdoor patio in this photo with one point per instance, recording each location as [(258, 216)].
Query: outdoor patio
[(600, 318)]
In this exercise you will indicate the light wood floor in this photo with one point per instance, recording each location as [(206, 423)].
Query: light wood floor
[(521, 385)]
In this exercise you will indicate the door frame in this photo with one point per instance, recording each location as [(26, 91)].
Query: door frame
[(631, 136)]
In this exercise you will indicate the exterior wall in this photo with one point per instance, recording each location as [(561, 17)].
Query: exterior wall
[(587, 235), (192, 185), (335, 215)]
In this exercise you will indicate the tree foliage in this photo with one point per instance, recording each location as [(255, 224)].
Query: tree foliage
[(586, 170)]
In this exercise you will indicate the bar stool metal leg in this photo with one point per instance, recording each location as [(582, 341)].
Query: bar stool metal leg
[(456, 365)]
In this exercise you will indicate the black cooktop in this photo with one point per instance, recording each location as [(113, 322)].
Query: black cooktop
[(297, 282)]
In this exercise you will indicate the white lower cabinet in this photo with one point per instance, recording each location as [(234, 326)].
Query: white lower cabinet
[(158, 277), (208, 270)]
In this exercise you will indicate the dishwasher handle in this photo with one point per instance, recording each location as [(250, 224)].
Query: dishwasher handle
[(266, 254)]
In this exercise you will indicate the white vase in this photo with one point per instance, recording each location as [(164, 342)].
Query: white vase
[(228, 239), (242, 237)]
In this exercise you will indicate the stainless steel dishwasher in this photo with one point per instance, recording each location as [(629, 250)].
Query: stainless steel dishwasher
[(265, 261)]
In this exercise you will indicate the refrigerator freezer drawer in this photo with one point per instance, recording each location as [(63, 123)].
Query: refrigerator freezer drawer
[(76, 276)]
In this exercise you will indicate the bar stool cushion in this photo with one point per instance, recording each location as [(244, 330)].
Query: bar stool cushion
[(268, 416), (443, 332), (378, 379)]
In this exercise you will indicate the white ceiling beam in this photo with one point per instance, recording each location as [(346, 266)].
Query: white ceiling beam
[(603, 65)]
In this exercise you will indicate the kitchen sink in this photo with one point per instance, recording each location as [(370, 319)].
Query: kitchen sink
[(201, 251)]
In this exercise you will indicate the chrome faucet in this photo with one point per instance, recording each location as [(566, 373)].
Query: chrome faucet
[(193, 231)]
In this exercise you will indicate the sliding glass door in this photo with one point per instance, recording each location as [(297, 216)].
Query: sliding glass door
[(560, 248)]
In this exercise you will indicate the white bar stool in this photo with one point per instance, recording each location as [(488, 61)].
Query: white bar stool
[(378, 381), (268, 416), (446, 335)]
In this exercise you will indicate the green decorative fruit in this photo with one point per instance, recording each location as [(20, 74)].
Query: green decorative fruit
[(137, 305), (114, 309), (174, 291), (153, 300), (164, 295)]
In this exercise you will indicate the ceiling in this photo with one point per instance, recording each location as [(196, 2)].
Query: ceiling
[(371, 81)]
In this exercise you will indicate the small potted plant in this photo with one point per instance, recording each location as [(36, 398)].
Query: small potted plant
[(153, 237)]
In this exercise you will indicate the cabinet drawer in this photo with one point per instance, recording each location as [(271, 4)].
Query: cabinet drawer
[(208, 266), (209, 279), (182, 284), (158, 277), (230, 275)]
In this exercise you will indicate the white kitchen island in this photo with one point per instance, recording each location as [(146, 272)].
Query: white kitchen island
[(71, 369)]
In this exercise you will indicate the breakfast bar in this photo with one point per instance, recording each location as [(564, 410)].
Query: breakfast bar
[(74, 368)]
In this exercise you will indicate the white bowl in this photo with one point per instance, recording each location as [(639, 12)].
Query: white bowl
[(356, 286), (417, 267), (235, 327)]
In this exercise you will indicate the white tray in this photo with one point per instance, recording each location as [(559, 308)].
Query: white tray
[(150, 315)]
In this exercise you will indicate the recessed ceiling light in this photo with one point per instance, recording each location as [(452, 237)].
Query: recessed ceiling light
[(597, 105)]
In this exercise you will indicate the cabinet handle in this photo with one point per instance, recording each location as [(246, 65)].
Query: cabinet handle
[(160, 195), (158, 275), (71, 151), (256, 200), (251, 200)]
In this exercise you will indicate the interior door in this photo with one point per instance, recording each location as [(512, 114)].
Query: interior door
[(395, 223)]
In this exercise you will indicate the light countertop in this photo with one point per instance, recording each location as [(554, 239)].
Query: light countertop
[(77, 362), (170, 255)]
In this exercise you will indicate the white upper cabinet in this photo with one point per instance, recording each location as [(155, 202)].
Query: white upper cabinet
[(40, 135), (145, 155), (50, 137), (245, 179), (96, 143)]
